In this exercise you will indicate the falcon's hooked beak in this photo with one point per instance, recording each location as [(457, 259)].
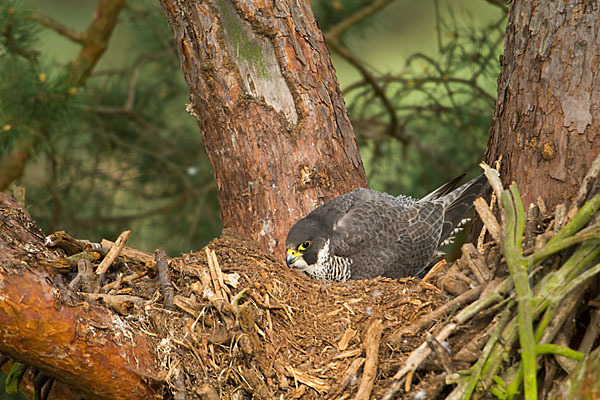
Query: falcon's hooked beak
[(292, 256)]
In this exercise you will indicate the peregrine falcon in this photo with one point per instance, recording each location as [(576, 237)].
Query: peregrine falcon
[(365, 233)]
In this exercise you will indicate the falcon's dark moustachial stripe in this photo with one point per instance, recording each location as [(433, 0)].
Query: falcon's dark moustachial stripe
[(365, 233)]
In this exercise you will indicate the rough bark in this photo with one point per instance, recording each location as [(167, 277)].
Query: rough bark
[(546, 121), (82, 346), (268, 104)]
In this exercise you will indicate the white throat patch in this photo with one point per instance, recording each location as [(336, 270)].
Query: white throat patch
[(328, 267)]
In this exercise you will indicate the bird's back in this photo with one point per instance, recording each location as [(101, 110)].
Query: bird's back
[(399, 236)]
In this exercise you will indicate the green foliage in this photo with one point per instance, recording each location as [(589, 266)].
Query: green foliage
[(332, 12), (17, 33), (114, 154)]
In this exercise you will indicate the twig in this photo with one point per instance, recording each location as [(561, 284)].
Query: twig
[(372, 339), (393, 131), (45, 390), (59, 28), (591, 333), (113, 253), (435, 270), (180, 393), (96, 38), (509, 335), (585, 213), (69, 244), (561, 351), (441, 352), (423, 351), (553, 283), (120, 303), (345, 340), (365, 12), (126, 279), (38, 383), (163, 276), (311, 381), (348, 376), (488, 219), (466, 390), (128, 252), (476, 263), (553, 247), (467, 297)]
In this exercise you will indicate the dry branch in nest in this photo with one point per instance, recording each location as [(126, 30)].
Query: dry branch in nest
[(231, 322)]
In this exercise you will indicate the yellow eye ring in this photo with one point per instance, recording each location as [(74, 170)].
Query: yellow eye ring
[(304, 246)]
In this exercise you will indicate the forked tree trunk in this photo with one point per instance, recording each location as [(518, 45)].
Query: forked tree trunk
[(268, 104), (547, 119)]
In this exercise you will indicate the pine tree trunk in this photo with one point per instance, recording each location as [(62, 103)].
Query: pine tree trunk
[(546, 121), (268, 104)]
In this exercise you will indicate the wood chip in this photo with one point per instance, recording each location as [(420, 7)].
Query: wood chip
[(346, 338), (123, 304), (311, 381), (187, 305), (216, 274), (435, 270), (232, 280)]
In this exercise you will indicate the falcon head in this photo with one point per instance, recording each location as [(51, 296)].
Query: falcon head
[(306, 244)]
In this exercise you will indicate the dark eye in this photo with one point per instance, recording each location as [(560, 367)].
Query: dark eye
[(304, 246)]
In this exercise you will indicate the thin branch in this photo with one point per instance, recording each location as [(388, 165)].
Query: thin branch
[(393, 130), (472, 83), (59, 28), (337, 30)]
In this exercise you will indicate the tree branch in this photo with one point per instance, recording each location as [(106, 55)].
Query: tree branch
[(337, 30), (96, 39), (82, 346), (59, 28)]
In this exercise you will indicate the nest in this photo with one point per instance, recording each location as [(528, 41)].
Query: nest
[(245, 325), (231, 322)]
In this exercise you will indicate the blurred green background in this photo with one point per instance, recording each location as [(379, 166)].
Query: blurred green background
[(122, 153)]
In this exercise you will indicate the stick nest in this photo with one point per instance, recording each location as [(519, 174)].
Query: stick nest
[(231, 322), (250, 325)]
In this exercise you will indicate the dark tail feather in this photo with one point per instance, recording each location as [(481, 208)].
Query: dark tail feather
[(459, 201), (443, 190)]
